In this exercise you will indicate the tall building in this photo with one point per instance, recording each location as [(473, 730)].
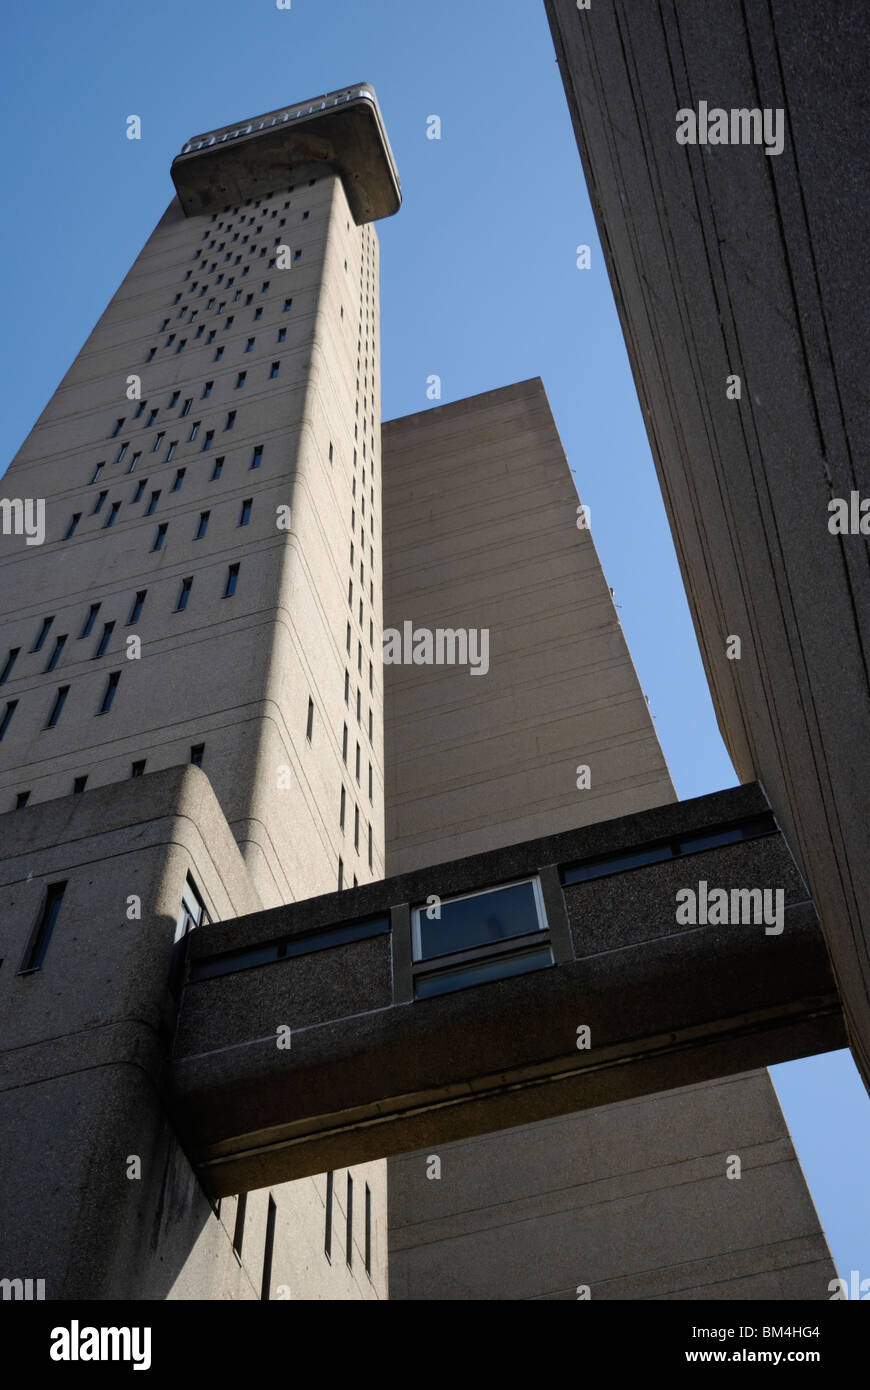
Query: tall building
[(194, 721), (208, 593)]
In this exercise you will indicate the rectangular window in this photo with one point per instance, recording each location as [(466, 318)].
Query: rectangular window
[(368, 1231), (327, 1232), (206, 390), (239, 1229), (194, 430), (274, 370), (113, 515), (309, 723), (340, 874), (98, 505), (218, 468), (57, 707), (158, 442), (282, 335), (42, 634), (152, 417), (342, 805), (371, 850), (257, 457), (138, 768), (109, 693), (181, 346), (288, 304), (348, 1223), (219, 352), (231, 420), (173, 400), (138, 604), (160, 537), (185, 409), (371, 798), (268, 1249), (250, 345), (97, 471), (152, 504), (358, 763), (74, 521), (196, 754), (8, 664), (179, 479), (202, 526), (79, 784), (344, 745), (170, 452), (208, 441), (140, 488), (21, 800), (45, 925), (240, 379), (6, 717), (108, 629), (258, 313), (88, 624), (232, 580), (245, 515), (183, 595), (356, 828), (120, 423), (134, 460)]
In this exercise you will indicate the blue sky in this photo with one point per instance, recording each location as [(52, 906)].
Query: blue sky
[(479, 285)]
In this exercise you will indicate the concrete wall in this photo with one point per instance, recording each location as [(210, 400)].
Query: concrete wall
[(480, 516)]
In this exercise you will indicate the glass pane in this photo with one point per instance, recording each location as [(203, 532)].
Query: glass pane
[(478, 920), (481, 972)]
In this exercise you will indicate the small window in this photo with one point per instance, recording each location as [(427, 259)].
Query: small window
[(288, 305), (134, 460), (206, 390), (88, 624), (183, 595), (21, 800), (258, 313), (239, 1229), (158, 442), (109, 693), (138, 768), (108, 629), (250, 345), (327, 1234), (282, 335), (45, 925), (231, 420), (194, 431), (98, 505), (79, 784), (173, 400), (245, 515), (274, 370), (8, 664), (57, 706), (74, 521), (181, 346), (297, 255), (257, 456), (348, 1222), (42, 634), (196, 754), (344, 745), (309, 723), (97, 471), (185, 409), (152, 503), (6, 717), (152, 417), (218, 468), (219, 352), (120, 423), (160, 538), (240, 381), (368, 1231), (138, 605), (479, 920), (202, 526), (140, 488), (179, 479), (113, 514), (232, 580), (340, 874), (342, 804), (207, 441)]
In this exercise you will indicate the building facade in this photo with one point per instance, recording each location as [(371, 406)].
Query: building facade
[(193, 715)]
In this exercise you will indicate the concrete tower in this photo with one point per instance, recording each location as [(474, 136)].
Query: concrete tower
[(208, 592)]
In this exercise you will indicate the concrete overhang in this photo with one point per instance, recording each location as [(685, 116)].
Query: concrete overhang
[(306, 1043), (342, 131)]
